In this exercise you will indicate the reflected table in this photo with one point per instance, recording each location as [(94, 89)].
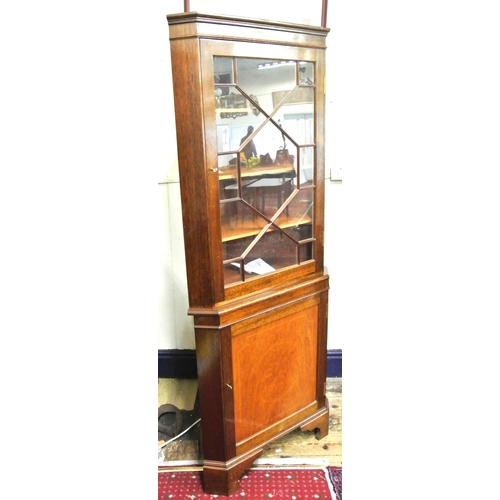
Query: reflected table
[(258, 182)]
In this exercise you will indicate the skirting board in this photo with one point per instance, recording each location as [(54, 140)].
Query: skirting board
[(181, 363)]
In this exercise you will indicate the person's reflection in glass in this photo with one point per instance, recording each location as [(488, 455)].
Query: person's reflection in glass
[(249, 150)]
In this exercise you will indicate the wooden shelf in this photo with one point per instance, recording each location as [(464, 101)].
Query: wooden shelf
[(247, 229), (287, 171)]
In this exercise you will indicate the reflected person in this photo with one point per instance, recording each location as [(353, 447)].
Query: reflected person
[(249, 150)]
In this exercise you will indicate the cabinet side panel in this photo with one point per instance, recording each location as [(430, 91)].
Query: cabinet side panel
[(274, 370), (322, 348), (192, 171), (208, 357)]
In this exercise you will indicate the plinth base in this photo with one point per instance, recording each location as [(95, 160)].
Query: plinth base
[(223, 478)]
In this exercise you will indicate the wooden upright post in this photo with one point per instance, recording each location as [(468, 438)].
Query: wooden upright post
[(323, 13)]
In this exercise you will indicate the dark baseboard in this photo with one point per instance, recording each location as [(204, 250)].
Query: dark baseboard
[(334, 363), (181, 363), (177, 363)]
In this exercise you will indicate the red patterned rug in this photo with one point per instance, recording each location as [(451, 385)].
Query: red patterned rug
[(257, 483)]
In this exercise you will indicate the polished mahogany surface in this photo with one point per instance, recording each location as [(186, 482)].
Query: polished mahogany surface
[(265, 389), (253, 233)]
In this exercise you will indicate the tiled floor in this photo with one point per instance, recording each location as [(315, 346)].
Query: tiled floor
[(297, 444)]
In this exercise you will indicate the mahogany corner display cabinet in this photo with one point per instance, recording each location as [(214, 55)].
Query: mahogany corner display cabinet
[(249, 106)]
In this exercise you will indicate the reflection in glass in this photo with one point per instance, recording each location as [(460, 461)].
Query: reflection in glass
[(266, 155), (276, 249), (306, 73), (267, 195), (223, 70), (239, 221), (299, 210), (306, 165)]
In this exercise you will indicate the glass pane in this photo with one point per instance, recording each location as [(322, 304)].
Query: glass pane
[(266, 154), (306, 166), (260, 77), (306, 251), (298, 212), (298, 115), (273, 251), (239, 221), (223, 70), (233, 104), (306, 73), (268, 194)]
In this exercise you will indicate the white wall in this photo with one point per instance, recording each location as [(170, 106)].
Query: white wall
[(175, 327), (175, 330)]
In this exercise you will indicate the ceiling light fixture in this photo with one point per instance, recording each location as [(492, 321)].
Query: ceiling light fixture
[(275, 64)]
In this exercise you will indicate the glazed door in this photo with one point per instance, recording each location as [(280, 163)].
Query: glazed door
[(265, 163)]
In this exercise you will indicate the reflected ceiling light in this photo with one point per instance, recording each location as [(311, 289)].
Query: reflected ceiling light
[(275, 64)]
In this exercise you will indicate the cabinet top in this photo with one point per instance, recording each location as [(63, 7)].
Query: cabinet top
[(195, 24)]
